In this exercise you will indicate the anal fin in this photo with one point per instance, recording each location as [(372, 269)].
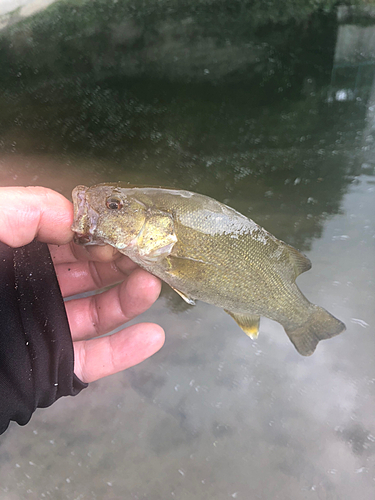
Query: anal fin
[(186, 298), (249, 323)]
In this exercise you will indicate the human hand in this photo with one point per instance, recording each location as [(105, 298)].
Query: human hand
[(35, 212)]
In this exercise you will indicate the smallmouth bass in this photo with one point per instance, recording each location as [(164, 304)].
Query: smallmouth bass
[(208, 251)]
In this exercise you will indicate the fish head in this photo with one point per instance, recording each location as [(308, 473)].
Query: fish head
[(106, 214)]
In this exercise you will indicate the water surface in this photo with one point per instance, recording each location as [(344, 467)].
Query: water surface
[(271, 115)]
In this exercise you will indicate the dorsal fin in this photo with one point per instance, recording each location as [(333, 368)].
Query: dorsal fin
[(300, 262)]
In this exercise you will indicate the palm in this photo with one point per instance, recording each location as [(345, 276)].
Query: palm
[(78, 271)]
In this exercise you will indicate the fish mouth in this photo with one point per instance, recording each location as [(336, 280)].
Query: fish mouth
[(85, 219)]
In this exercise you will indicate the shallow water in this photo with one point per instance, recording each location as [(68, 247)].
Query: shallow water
[(274, 120)]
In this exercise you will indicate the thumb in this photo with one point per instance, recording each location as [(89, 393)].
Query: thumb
[(34, 212)]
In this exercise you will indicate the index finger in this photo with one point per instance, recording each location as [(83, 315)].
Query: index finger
[(75, 253), (34, 212)]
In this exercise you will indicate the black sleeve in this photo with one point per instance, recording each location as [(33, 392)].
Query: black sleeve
[(36, 350)]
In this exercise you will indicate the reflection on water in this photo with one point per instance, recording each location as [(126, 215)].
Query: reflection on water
[(274, 120)]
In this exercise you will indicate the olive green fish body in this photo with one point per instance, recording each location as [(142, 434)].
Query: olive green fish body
[(251, 277), (206, 250)]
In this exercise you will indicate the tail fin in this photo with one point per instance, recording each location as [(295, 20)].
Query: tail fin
[(320, 325)]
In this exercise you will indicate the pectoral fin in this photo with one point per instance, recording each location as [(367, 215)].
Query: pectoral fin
[(187, 299), (248, 322)]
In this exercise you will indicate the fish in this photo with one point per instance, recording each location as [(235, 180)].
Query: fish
[(206, 251)]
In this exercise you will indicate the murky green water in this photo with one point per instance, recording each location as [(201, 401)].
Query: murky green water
[(276, 120)]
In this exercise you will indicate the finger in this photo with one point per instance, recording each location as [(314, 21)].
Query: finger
[(93, 316), (80, 277), (94, 359), (34, 212), (74, 253)]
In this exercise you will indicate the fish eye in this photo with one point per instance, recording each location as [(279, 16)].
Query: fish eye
[(114, 203)]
